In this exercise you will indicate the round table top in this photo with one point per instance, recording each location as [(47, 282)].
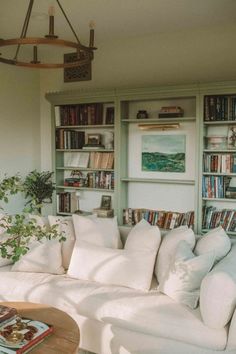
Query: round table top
[(66, 335)]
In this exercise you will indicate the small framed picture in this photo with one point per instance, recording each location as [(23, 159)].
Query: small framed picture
[(94, 139), (106, 202)]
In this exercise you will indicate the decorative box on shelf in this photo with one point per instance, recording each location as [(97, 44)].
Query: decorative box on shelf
[(216, 142)]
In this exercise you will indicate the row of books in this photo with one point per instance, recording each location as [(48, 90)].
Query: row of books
[(161, 218), (215, 186), (67, 202), (219, 163), (69, 139), (212, 217), (83, 114), (98, 179), (219, 108), (93, 159), (19, 335)]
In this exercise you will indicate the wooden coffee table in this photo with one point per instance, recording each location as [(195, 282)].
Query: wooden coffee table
[(66, 335)]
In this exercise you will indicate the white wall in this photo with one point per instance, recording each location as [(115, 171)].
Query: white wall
[(19, 124)]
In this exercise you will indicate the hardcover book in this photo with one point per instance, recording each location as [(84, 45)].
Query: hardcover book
[(21, 334)]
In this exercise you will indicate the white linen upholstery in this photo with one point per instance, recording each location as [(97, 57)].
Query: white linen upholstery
[(168, 247), (66, 226), (215, 240), (185, 275), (218, 292), (42, 257), (98, 231)]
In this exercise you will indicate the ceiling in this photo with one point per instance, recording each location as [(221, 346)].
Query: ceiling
[(116, 19)]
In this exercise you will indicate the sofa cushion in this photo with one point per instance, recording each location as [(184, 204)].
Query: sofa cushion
[(97, 231), (168, 247), (185, 275), (218, 292), (217, 240), (151, 313), (66, 226), (42, 257), (132, 268)]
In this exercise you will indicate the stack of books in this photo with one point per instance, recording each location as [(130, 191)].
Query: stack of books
[(19, 335), (171, 112)]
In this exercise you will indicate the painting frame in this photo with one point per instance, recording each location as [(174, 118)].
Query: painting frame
[(163, 153), (105, 202)]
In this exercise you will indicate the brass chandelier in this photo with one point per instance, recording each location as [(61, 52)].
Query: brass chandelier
[(84, 54)]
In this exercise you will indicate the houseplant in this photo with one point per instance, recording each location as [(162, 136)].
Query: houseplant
[(20, 229)]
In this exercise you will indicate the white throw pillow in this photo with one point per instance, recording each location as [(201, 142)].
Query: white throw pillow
[(218, 292), (121, 267), (131, 267), (168, 246), (215, 240), (185, 275), (42, 257), (98, 231), (143, 237), (66, 226)]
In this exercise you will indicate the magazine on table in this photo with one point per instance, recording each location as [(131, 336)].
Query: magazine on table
[(20, 335)]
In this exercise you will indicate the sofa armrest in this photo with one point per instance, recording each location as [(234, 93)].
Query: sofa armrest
[(231, 344)]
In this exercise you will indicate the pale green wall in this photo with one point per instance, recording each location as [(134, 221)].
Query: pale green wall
[(19, 123)]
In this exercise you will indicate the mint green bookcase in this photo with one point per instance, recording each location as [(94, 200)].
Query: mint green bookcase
[(130, 181)]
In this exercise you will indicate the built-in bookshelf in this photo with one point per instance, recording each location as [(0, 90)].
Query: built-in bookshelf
[(84, 161), (162, 195), (218, 202), (196, 189)]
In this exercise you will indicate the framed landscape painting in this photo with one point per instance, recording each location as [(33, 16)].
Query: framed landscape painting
[(163, 153)]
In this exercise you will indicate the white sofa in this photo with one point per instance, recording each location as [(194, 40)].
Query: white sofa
[(117, 319)]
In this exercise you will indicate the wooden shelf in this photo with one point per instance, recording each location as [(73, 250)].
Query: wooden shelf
[(219, 174), (84, 150), (69, 168), (86, 189), (212, 151), (99, 126), (220, 199), (156, 180), (220, 122)]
